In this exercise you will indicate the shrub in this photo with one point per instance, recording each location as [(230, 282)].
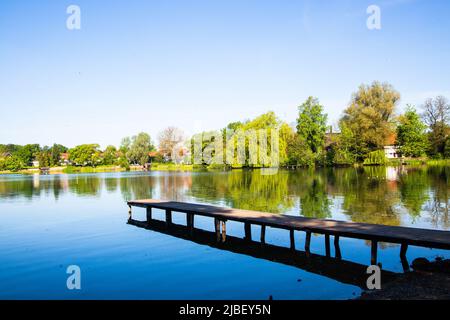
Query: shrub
[(375, 158)]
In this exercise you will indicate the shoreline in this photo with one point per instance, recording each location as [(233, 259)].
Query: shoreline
[(189, 167), (427, 281)]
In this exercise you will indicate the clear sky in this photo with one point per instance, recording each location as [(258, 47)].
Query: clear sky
[(199, 64)]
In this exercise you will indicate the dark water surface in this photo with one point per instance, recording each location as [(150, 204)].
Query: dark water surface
[(51, 222)]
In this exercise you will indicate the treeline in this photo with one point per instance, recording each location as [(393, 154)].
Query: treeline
[(134, 150), (369, 123), (15, 157)]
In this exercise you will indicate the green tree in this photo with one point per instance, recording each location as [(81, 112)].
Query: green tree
[(44, 157), (125, 145), (109, 155), (411, 136), (12, 163), (251, 128), (369, 118), (55, 153), (447, 148), (340, 148), (436, 115), (312, 124), (299, 153), (85, 155), (27, 153), (140, 146)]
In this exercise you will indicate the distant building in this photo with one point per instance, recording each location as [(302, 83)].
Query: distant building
[(392, 152), (154, 156), (64, 159), (35, 163)]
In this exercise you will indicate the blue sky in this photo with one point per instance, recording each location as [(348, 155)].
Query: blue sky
[(196, 64)]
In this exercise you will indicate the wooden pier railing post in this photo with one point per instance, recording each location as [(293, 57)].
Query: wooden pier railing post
[(308, 242), (327, 245), (248, 231), (337, 248), (291, 235), (373, 252), (168, 217), (263, 234)]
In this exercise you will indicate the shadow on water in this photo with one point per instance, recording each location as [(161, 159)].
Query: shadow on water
[(346, 272)]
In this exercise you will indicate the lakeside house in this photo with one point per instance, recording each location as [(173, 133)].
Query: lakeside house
[(64, 159), (392, 152)]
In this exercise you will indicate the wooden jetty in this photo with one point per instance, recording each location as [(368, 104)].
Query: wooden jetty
[(374, 233), (337, 269)]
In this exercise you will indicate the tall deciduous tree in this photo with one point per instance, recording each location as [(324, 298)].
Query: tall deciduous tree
[(436, 115), (44, 157), (411, 136), (109, 155), (369, 117), (55, 153), (140, 146), (168, 139), (312, 124), (85, 154), (28, 152)]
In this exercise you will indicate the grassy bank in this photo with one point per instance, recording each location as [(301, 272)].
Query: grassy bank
[(171, 167), (71, 169), (418, 162)]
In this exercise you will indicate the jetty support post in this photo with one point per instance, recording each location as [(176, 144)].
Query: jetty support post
[(130, 212), (337, 248), (248, 231), (373, 252), (168, 217), (190, 220), (403, 250), (292, 238), (217, 228), (149, 214), (224, 230), (308, 242), (263, 234), (403, 259), (327, 245)]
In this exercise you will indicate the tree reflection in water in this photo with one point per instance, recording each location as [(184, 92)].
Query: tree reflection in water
[(392, 196)]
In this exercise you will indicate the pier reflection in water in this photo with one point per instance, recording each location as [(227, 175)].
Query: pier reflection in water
[(334, 268)]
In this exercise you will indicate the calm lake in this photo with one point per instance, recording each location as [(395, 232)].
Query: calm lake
[(53, 221)]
